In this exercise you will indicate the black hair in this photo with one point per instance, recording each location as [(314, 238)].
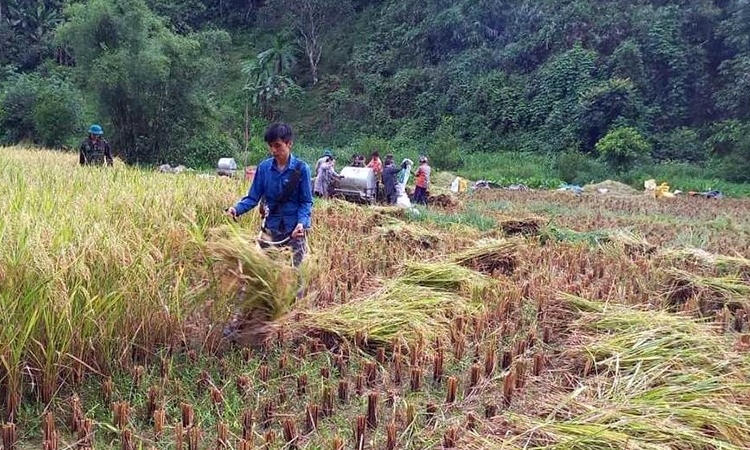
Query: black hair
[(279, 130), (375, 154)]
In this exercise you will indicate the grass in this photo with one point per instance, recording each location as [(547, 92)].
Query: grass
[(115, 284)]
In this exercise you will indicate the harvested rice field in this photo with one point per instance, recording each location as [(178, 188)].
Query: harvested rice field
[(498, 320)]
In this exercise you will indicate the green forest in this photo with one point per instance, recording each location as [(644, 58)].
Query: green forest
[(586, 89)]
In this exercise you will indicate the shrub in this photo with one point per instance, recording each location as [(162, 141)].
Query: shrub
[(622, 148), (19, 95), (576, 168), (58, 113), (445, 151), (680, 144)]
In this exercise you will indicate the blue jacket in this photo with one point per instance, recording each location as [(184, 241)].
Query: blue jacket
[(269, 183)]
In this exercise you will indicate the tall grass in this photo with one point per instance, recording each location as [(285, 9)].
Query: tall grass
[(97, 265)]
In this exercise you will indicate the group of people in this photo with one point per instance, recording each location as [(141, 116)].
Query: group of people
[(386, 172), (282, 183)]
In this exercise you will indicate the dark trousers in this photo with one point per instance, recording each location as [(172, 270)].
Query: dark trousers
[(420, 195), (296, 244)]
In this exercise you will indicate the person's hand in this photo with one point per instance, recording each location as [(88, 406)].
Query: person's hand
[(231, 212), (299, 231)]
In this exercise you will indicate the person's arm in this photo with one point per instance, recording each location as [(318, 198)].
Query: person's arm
[(251, 200), (81, 157), (108, 153), (304, 212)]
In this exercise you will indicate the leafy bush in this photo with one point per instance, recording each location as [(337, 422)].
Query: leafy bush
[(369, 144), (445, 151), (58, 113), (46, 111), (19, 95), (576, 168), (729, 144), (207, 148), (680, 144), (622, 148)]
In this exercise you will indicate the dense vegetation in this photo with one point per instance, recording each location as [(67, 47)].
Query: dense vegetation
[(596, 87)]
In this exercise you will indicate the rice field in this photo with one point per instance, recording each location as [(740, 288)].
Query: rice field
[(504, 320)]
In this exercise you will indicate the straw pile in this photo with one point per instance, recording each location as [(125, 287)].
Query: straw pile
[(443, 201), (611, 187), (399, 311), (489, 257)]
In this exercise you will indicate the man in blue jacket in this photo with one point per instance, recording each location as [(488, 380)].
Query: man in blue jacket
[(284, 183)]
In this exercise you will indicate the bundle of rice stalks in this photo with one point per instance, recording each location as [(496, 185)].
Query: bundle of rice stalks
[(526, 226), (631, 242), (637, 339), (490, 256), (723, 264), (446, 276), (408, 234), (556, 234), (656, 381), (265, 278), (399, 311), (627, 240), (712, 293)]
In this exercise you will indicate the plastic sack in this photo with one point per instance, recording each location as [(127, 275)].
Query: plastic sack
[(459, 185), (402, 201)]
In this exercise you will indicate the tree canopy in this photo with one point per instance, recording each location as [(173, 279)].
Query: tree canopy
[(177, 79)]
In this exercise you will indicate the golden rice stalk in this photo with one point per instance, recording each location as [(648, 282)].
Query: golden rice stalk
[(489, 256), (399, 311), (267, 278)]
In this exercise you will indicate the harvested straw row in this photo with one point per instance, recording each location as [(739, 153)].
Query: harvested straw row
[(446, 276), (490, 256), (712, 293), (628, 240), (266, 277), (658, 380), (723, 264), (399, 311)]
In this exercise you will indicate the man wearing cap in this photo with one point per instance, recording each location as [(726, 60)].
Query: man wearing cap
[(94, 150)]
